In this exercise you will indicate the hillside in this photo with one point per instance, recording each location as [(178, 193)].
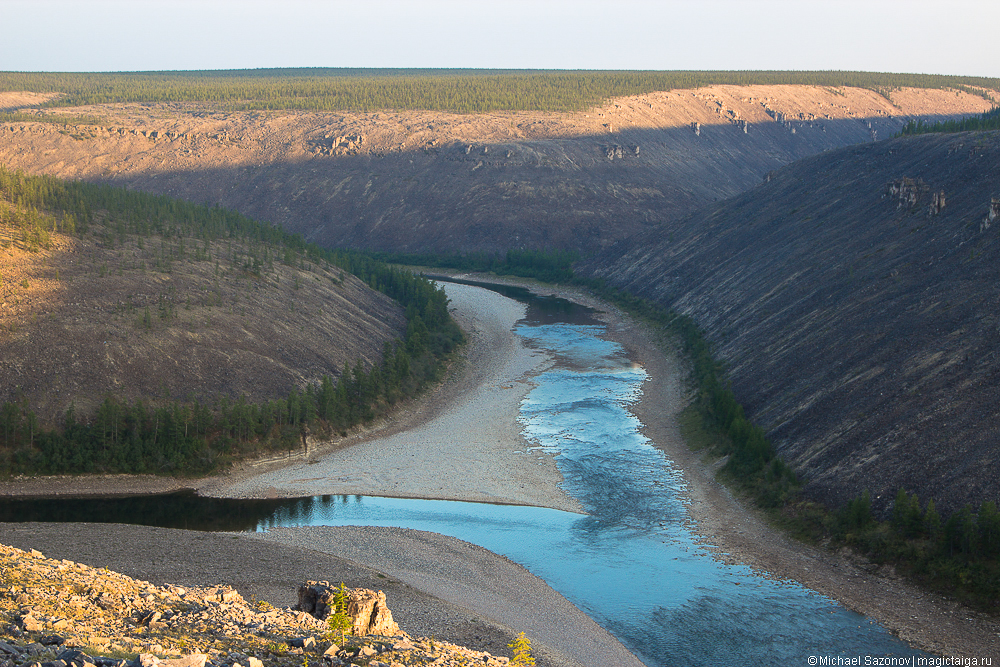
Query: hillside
[(173, 318), (853, 299), (413, 181), (142, 333)]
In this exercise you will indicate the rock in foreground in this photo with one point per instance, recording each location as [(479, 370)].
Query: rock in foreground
[(60, 613), (368, 610)]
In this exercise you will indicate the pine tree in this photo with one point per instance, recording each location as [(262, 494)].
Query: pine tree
[(932, 520), (522, 652), (988, 521)]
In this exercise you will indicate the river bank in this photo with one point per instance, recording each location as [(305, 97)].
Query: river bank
[(738, 535), (460, 442)]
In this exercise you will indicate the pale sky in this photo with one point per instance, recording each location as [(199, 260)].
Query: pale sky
[(953, 37)]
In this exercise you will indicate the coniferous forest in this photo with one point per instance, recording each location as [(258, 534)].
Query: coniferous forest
[(158, 436), (457, 90), (986, 121)]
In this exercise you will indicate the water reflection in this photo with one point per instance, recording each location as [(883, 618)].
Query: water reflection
[(541, 309), (642, 574), (173, 510)]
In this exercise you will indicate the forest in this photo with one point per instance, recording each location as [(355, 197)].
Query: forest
[(456, 90), (985, 121), (157, 436), (552, 266)]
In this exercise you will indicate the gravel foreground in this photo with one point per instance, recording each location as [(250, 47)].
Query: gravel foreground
[(263, 570)]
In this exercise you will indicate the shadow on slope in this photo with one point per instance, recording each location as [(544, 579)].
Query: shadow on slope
[(581, 193), (857, 316)]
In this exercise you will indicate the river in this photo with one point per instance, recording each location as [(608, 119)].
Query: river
[(632, 562)]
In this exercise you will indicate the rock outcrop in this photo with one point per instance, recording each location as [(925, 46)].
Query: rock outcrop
[(368, 610), (57, 613)]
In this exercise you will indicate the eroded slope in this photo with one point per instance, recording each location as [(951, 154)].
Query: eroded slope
[(174, 318), (854, 298), (433, 181)]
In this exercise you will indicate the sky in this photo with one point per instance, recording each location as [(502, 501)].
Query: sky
[(954, 37)]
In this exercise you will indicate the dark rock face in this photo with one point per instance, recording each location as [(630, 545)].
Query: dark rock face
[(855, 298), (582, 193)]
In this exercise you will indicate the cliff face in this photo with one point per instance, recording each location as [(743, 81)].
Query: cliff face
[(422, 181), (854, 299)]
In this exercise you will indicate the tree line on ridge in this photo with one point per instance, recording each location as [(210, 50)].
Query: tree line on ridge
[(455, 90)]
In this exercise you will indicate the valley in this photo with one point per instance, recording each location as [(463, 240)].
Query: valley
[(418, 181), (842, 278)]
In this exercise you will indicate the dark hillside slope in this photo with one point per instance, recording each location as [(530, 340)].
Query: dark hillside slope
[(159, 301), (859, 320)]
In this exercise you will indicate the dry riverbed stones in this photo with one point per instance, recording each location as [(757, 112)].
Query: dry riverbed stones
[(57, 613)]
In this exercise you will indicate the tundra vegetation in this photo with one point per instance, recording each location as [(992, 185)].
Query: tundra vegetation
[(460, 90), (154, 435)]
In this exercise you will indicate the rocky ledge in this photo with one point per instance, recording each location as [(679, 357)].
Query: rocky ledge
[(57, 613)]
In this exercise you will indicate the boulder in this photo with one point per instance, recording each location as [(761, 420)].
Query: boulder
[(193, 660), (9, 649), (223, 594), (75, 657), (367, 609), (30, 623)]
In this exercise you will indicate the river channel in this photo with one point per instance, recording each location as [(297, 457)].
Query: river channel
[(632, 562)]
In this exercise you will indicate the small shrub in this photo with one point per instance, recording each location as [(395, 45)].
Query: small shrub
[(339, 620), (522, 651)]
